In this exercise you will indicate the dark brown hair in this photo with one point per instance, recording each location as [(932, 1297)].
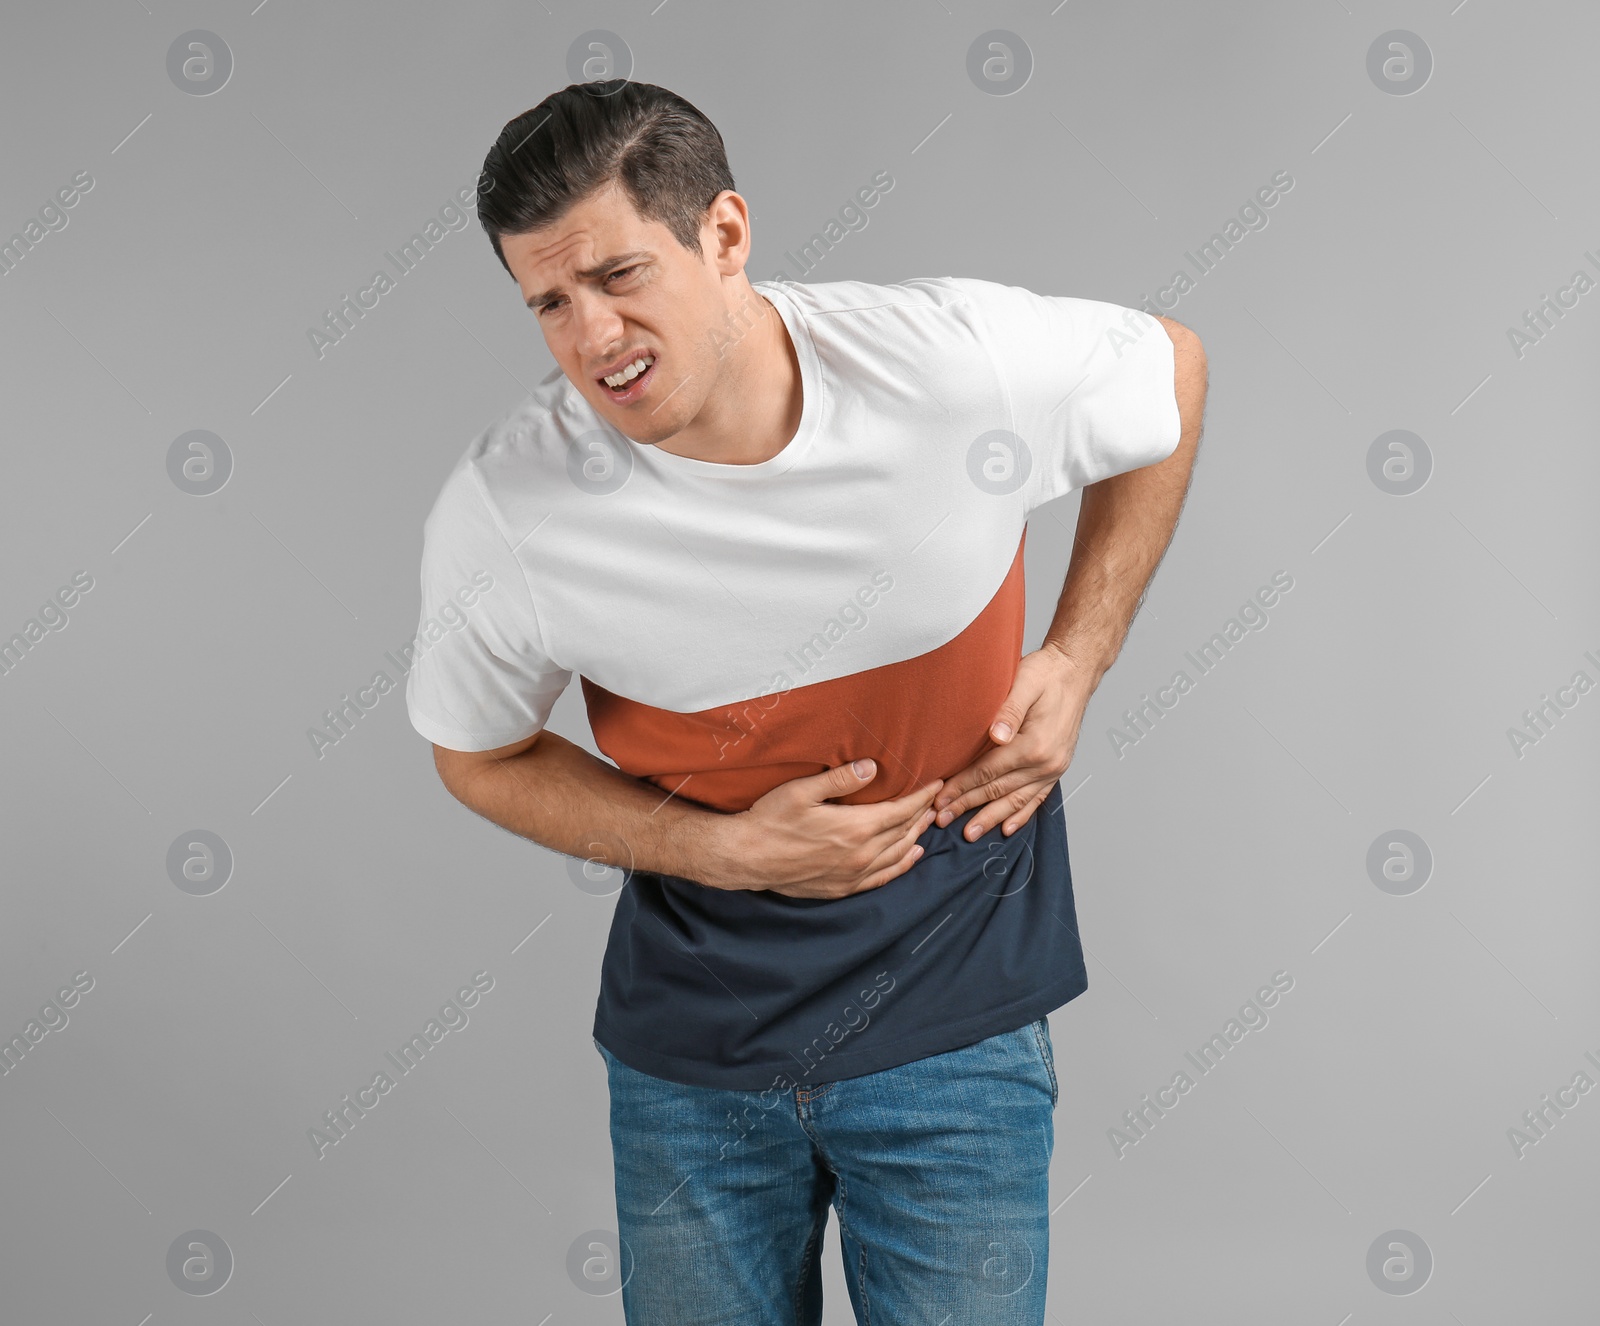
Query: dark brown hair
[(668, 158)]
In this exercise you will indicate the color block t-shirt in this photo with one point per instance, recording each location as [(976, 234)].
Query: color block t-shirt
[(733, 627)]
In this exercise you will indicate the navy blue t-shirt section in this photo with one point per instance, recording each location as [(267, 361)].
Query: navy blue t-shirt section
[(750, 991)]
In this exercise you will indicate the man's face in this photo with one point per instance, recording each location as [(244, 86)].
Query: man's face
[(609, 288)]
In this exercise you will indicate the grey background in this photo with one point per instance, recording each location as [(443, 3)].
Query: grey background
[(1229, 843)]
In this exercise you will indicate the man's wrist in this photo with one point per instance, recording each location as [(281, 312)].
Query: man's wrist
[(711, 845), (1080, 661)]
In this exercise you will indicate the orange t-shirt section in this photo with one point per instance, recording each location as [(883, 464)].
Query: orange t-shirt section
[(924, 718)]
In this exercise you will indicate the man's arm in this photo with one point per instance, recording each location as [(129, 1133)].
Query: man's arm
[(794, 840), (1125, 523), (1124, 526), (554, 792)]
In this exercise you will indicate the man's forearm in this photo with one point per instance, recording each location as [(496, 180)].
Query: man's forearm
[(563, 798), (1124, 526)]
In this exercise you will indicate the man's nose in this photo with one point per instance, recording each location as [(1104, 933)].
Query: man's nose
[(600, 329)]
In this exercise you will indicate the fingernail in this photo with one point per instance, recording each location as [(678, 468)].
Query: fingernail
[(916, 853), (1003, 731)]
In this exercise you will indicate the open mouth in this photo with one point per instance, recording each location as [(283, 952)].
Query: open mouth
[(634, 387)]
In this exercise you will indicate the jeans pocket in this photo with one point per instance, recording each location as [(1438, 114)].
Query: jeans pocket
[(1047, 1056)]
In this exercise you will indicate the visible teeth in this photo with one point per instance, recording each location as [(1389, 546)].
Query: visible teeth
[(632, 371)]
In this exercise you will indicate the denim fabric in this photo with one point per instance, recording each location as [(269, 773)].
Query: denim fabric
[(937, 1169)]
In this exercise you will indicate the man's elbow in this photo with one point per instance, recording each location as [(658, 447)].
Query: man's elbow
[(453, 771), (458, 770)]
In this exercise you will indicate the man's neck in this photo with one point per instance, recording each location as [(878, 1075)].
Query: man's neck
[(754, 410)]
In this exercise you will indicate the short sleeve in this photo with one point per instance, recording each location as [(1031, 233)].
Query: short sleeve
[(480, 678), (1090, 383)]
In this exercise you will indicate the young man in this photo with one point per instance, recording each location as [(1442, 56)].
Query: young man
[(778, 531)]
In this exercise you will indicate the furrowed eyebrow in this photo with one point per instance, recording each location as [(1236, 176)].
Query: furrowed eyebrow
[(592, 273)]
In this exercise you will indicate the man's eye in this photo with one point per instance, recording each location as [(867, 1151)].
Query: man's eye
[(621, 271)]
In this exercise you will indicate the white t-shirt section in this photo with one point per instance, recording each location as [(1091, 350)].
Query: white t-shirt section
[(1090, 384), (485, 679), (686, 584)]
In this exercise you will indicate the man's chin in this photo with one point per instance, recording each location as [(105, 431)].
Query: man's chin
[(641, 427), (652, 440)]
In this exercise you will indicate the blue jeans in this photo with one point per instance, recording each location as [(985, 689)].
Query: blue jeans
[(938, 1169)]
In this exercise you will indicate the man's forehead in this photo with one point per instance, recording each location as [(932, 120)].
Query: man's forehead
[(574, 250), (601, 222), (566, 244)]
